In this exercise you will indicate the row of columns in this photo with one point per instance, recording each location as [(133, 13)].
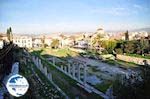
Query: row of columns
[(39, 65), (74, 70)]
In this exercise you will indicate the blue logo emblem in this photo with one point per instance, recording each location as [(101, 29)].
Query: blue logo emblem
[(17, 85)]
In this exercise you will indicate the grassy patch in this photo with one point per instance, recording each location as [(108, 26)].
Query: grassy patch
[(122, 63), (139, 56), (63, 81), (111, 62), (103, 86), (58, 52), (127, 64)]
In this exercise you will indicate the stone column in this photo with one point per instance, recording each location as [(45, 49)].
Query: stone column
[(78, 72), (62, 67), (49, 76), (53, 60), (65, 69), (69, 69), (41, 68), (33, 59), (73, 70), (37, 62), (84, 75), (40, 63), (45, 71)]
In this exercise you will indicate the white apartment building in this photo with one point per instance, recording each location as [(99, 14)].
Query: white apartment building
[(37, 42), (23, 41), (48, 41)]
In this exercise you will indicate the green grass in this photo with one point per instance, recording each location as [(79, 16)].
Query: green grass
[(103, 86), (139, 56), (122, 63), (43, 78), (111, 62), (127, 64), (65, 52), (58, 74)]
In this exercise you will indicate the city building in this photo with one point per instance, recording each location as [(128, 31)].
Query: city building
[(81, 44), (37, 42), (23, 41), (48, 41), (100, 31)]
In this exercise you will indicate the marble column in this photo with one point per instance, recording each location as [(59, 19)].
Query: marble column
[(62, 67), (39, 64), (49, 76), (33, 58), (69, 69), (78, 72), (41, 67), (73, 70), (53, 60), (65, 69), (84, 75), (45, 71)]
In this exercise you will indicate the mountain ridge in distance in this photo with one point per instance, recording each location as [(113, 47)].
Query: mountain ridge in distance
[(147, 29)]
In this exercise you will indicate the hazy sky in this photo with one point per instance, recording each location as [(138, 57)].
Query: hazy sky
[(46, 16)]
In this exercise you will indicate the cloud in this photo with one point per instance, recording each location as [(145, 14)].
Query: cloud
[(115, 11), (137, 6), (121, 11)]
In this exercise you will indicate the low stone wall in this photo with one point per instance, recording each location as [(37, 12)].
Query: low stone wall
[(135, 60)]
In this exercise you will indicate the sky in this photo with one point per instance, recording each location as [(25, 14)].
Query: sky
[(47, 16)]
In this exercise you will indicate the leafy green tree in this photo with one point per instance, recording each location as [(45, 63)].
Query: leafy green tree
[(144, 45), (97, 40), (109, 45), (119, 51), (129, 47), (55, 43)]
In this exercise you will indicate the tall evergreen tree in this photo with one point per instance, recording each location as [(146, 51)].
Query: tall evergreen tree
[(9, 34), (126, 35)]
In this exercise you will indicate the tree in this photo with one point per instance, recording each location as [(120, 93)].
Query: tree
[(43, 42), (126, 35), (144, 45), (129, 47), (109, 45), (9, 34), (119, 51), (97, 40), (55, 43), (119, 47)]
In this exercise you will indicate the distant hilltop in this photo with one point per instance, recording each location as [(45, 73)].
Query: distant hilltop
[(141, 29), (133, 30)]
